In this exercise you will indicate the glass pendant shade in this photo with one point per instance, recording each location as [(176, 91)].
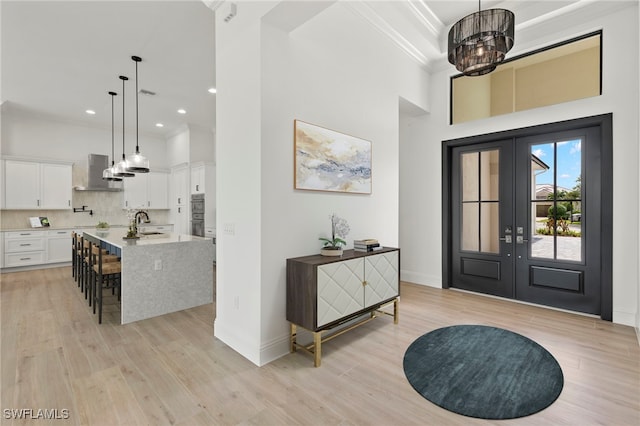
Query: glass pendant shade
[(120, 169), (137, 163), (107, 174), (479, 42)]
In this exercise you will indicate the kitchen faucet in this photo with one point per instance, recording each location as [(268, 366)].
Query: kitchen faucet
[(138, 216)]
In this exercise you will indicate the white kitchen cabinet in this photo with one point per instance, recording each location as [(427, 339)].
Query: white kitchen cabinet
[(181, 220), (180, 199), (203, 179), (58, 246), (30, 185), (146, 191), (179, 186), (155, 228), (56, 186), (24, 248)]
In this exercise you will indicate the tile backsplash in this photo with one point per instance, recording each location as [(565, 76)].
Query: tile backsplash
[(106, 207)]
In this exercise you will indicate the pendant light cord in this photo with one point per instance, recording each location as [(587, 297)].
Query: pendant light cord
[(137, 148), (113, 155), (123, 78)]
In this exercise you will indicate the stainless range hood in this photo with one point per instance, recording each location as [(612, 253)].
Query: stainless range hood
[(96, 163)]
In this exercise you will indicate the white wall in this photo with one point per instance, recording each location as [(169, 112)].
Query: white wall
[(620, 96), (178, 148), (202, 144), (28, 136), (348, 79)]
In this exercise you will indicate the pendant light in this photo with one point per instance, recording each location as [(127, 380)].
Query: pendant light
[(480, 41), (107, 174), (121, 168), (137, 163)]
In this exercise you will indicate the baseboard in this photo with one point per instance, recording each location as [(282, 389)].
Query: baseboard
[(420, 278), (624, 318), (638, 334), (233, 339), (274, 349)]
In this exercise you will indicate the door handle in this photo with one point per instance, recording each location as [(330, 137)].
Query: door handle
[(521, 240), (507, 239)]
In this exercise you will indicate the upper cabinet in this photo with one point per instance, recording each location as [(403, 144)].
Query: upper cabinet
[(32, 185), (203, 179), (179, 186), (146, 191)]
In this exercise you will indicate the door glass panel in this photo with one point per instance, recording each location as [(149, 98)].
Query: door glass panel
[(480, 201), (556, 200), (490, 228), (489, 178), (469, 167), (470, 227)]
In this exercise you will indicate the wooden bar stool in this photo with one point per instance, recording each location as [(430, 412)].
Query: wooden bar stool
[(92, 247), (105, 274)]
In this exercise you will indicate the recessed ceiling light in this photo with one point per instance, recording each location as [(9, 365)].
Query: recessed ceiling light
[(90, 112), (159, 125), (212, 90), (182, 111)]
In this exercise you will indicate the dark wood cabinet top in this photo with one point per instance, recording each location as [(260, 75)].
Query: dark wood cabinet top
[(318, 259)]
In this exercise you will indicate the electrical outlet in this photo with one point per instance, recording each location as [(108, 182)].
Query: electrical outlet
[(229, 229), (157, 265)]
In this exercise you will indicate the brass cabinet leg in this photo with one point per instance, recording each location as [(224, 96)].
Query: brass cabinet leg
[(317, 348), (292, 337), (395, 311)]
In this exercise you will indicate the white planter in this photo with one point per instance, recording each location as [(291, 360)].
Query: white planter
[(328, 252)]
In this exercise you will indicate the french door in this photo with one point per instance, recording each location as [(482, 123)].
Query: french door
[(528, 217)]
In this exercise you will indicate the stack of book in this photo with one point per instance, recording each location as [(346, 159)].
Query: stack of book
[(369, 244)]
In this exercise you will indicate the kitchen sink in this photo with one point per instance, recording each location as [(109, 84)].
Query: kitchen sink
[(151, 233)]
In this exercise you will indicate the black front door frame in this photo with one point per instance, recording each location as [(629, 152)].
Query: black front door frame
[(605, 123)]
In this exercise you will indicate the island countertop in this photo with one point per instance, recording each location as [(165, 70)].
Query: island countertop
[(115, 237), (161, 273)]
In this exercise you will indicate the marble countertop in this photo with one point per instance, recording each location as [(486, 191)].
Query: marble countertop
[(53, 228), (116, 238)]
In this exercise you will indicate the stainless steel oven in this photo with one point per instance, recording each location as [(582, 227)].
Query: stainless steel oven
[(197, 215)]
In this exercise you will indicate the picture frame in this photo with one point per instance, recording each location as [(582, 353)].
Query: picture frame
[(327, 160)]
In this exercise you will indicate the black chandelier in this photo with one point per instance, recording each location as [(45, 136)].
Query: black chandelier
[(480, 41)]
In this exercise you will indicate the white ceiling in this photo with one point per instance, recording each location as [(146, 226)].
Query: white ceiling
[(59, 58)]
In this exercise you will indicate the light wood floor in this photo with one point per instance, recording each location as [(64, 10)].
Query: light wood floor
[(170, 369)]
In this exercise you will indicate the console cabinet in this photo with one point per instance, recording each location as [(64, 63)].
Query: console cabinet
[(325, 292)]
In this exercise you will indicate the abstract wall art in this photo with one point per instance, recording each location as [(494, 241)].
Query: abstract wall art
[(326, 160)]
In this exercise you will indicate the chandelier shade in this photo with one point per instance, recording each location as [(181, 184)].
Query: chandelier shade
[(120, 169), (108, 173), (137, 163), (479, 42)]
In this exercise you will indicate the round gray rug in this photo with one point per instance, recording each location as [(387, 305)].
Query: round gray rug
[(483, 372)]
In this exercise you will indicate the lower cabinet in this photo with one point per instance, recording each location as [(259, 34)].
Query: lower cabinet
[(325, 292), (59, 246), (24, 248), (29, 248)]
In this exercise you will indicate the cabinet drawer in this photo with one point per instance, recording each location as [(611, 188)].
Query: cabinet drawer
[(24, 244), (23, 259), (59, 233), (24, 234)]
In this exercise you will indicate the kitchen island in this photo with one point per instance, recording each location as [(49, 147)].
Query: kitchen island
[(161, 272)]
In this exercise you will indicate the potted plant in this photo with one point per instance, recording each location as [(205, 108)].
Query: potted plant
[(102, 227), (339, 230)]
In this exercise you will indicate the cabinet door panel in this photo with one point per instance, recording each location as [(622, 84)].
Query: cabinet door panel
[(22, 185), (157, 190), (339, 290), (135, 192), (56, 186), (381, 274)]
